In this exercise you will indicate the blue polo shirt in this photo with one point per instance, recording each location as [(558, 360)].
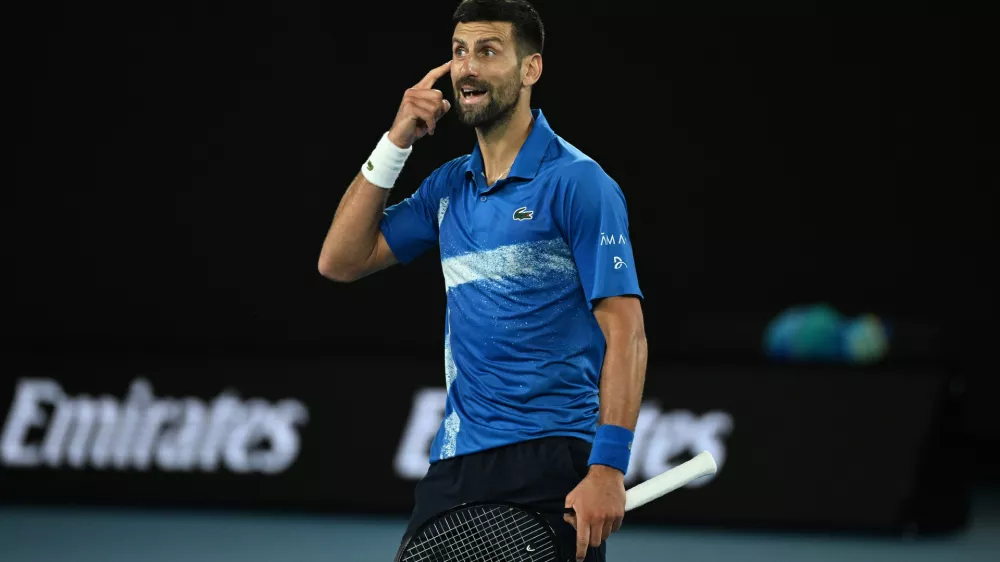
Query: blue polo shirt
[(524, 262)]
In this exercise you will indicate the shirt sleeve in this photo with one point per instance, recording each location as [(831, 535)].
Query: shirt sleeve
[(411, 226), (598, 236)]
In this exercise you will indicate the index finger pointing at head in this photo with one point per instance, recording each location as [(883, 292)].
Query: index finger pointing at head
[(434, 75)]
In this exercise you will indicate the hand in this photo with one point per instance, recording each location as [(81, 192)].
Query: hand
[(420, 110), (599, 503)]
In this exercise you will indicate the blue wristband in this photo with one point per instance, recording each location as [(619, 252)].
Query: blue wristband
[(612, 447)]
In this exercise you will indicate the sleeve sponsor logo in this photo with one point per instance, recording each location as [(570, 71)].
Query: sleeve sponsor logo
[(613, 240)]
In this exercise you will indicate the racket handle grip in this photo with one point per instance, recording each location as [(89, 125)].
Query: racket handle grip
[(701, 465), (656, 487)]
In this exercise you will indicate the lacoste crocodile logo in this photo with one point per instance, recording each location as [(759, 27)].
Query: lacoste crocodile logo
[(523, 214)]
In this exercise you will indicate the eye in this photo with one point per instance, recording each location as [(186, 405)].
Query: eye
[(489, 52), (459, 51)]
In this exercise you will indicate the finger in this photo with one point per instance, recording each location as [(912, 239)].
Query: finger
[(427, 94), (570, 515), (440, 107), (427, 113), (618, 524), (582, 540), (596, 533), (609, 524), (427, 106), (434, 75)]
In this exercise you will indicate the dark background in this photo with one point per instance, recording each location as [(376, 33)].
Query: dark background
[(177, 169)]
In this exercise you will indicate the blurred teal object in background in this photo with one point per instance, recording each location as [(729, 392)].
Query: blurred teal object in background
[(780, 332), (865, 339), (819, 332)]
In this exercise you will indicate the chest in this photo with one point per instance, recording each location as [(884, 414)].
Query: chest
[(512, 215)]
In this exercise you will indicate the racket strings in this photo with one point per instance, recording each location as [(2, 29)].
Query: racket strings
[(463, 536), (484, 534)]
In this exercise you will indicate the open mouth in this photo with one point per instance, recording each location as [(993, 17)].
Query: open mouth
[(472, 95)]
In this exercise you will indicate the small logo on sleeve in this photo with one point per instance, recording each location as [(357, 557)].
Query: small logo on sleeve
[(612, 240), (370, 166), (523, 214), (619, 263)]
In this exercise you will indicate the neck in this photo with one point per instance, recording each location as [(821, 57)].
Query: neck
[(501, 143)]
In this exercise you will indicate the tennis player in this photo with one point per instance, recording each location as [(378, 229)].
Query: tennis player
[(545, 351)]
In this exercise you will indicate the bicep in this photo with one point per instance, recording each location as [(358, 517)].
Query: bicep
[(620, 315)]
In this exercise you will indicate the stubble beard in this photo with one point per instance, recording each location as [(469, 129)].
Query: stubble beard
[(498, 109)]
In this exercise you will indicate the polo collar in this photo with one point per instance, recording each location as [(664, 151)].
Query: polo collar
[(528, 159)]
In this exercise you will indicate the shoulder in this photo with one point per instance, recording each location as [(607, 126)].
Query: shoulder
[(443, 180), (578, 177), (448, 175)]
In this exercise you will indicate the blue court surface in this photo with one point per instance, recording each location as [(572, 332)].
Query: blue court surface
[(113, 535)]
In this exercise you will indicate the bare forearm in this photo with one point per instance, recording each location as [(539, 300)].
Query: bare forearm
[(622, 379), (354, 247), (352, 239)]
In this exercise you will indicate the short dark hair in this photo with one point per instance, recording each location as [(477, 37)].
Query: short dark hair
[(529, 33)]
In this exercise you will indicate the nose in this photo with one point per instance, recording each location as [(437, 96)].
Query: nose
[(468, 67)]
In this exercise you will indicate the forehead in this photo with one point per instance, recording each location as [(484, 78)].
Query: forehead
[(473, 31)]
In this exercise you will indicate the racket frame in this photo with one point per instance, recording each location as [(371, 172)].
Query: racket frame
[(532, 512)]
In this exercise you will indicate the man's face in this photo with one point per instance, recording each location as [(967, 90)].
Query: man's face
[(485, 72)]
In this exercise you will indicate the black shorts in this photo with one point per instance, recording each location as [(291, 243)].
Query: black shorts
[(538, 473)]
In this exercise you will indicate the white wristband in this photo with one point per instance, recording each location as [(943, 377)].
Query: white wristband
[(385, 163)]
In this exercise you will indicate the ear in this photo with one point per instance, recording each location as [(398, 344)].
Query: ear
[(532, 68)]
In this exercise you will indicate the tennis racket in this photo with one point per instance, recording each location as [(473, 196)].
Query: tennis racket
[(505, 532)]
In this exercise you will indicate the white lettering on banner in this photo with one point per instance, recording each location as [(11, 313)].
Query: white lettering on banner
[(414, 451), (663, 439), (144, 432), (610, 240)]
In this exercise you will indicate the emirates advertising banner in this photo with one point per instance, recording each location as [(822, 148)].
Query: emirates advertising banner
[(820, 449)]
